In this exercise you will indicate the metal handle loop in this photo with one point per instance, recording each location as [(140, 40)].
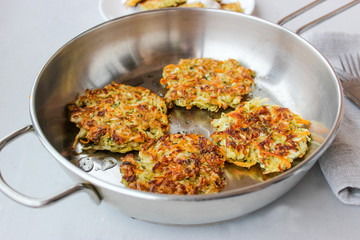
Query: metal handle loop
[(318, 20), (293, 15), (41, 202)]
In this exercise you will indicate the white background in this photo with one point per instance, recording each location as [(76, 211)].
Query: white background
[(30, 32)]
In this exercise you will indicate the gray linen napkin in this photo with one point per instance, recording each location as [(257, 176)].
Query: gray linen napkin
[(340, 164)]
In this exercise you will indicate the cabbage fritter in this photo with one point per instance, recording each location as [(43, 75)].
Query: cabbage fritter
[(236, 7), (176, 164), (156, 4), (193, 5), (132, 3), (269, 135), (118, 118), (206, 83)]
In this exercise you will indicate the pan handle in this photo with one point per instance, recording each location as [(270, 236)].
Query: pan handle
[(293, 15), (318, 20), (41, 202)]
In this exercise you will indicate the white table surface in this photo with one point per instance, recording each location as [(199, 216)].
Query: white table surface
[(30, 32)]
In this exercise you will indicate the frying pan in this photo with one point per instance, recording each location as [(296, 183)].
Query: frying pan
[(133, 50)]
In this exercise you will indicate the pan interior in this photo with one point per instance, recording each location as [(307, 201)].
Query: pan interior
[(134, 49)]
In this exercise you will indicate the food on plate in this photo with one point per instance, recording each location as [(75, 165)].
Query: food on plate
[(202, 3), (256, 133), (195, 4), (156, 4), (235, 6), (118, 118), (206, 83), (132, 3), (176, 164)]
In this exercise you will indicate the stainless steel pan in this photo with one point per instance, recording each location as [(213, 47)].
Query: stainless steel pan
[(133, 50)]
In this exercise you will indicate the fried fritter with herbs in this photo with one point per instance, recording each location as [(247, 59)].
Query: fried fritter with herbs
[(118, 118), (256, 133), (206, 83), (176, 164)]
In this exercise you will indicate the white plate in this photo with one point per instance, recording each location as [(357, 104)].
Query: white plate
[(110, 9)]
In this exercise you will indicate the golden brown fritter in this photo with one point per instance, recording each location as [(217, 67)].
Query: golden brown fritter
[(206, 83), (196, 4), (176, 164), (236, 7), (156, 4), (132, 3), (269, 135), (118, 118)]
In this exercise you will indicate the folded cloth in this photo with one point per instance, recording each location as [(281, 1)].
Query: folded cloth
[(340, 164)]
